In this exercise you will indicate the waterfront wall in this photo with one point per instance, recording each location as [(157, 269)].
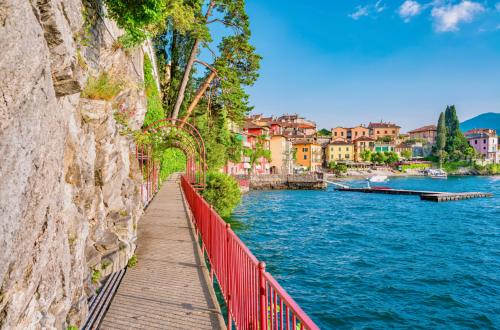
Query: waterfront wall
[(283, 182)]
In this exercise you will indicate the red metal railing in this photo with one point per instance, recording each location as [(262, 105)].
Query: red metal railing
[(253, 298)]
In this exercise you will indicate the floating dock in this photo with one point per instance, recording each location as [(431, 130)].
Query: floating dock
[(434, 196)]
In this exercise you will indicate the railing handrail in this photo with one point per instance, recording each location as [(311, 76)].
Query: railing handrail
[(254, 299)]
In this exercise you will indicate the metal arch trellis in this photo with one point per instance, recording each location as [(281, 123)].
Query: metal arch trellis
[(174, 133)]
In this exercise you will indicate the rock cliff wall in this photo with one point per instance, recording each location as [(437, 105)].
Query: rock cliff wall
[(69, 181)]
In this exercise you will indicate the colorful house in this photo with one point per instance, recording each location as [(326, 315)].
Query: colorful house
[(485, 142), (281, 155), (308, 155), (428, 133), (382, 129), (360, 144), (340, 151)]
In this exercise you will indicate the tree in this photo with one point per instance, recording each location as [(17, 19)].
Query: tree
[(406, 154), (441, 138), (456, 144), (385, 139), (379, 157), (236, 63), (366, 155), (324, 132), (391, 157)]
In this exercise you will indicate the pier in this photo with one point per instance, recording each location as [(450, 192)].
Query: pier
[(433, 196)]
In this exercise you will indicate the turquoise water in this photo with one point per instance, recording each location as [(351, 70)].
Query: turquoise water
[(369, 261)]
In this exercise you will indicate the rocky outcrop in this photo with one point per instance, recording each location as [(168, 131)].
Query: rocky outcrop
[(69, 183)]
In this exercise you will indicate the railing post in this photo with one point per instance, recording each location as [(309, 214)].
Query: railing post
[(228, 277), (262, 297)]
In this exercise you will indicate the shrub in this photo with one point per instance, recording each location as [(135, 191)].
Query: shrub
[(96, 276), (222, 192), (102, 87), (172, 160), (132, 262), (155, 110)]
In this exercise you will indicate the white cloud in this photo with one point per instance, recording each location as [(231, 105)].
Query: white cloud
[(408, 9), (448, 17), (380, 6), (497, 6), (359, 12)]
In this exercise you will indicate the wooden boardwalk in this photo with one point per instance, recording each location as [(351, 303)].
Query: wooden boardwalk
[(169, 288)]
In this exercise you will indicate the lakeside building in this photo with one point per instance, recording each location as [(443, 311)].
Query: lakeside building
[(383, 129), (349, 133), (402, 147), (362, 143), (308, 154), (383, 147), (485, 142), (340, 151), (281, 155), (428, 133)]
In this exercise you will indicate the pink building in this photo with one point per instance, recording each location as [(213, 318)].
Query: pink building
[(485, 142)]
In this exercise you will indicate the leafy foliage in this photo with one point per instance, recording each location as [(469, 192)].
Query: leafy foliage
[(222, 192), (155, 110), (406, 154), (172, 160), (337, 168), (385, 139), (132, 262), (324, 132), (366, 155), (142, 19)]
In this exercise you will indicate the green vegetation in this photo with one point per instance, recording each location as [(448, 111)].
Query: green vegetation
[(490, 169), (406, 154), (172, 160), (337, 168), (384, 139), (132, 262), (104, 86), (142, 19), (324, 132), (366, 155), (222, 192), (451, 144), (155, 110), (72, 327), (96, 276), (417, 166), (454, 166), (386, 157)]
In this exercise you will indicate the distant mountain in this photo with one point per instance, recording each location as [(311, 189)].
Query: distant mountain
[(484, 120)]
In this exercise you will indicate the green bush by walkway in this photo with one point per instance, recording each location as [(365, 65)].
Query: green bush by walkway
[(222, 192)]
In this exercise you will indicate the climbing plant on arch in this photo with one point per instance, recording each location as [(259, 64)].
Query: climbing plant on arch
[(170, 133)]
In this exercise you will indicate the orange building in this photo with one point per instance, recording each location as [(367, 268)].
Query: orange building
[(339, 133), (308, 154), (357, 132), (361, 144), (378, 130)]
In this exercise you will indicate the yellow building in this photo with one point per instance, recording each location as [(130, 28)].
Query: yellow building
[(308, 155), (339, 151)]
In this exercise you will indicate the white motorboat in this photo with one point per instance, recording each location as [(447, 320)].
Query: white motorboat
[(437, 173), (378, 178)]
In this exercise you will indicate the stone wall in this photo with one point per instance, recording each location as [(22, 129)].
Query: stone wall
[(281, 182), (69, 183)]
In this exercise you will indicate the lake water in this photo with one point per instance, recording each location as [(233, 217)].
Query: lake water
[(370, 261)]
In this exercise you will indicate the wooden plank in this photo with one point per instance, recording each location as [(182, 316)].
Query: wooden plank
[(169, 288)]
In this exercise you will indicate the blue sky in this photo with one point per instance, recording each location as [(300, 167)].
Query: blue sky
[(346, 62)]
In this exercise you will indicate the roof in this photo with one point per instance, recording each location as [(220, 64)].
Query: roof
[(382, 125), (340, 143), (424, 129), (250, 124), (402, 146), (304, 142), (364, 138)]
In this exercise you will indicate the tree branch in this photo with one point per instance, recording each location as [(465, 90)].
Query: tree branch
[(211, 68)]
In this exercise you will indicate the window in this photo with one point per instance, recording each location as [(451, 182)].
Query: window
[(342, 133), (393, 132), (346, 148), (364, 133), (378, 132), (305, 149), (346, 155), (340, 149), (385, 132), (484, 141), (355, 133), (305, 157), (475, 141), (334, 133)]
